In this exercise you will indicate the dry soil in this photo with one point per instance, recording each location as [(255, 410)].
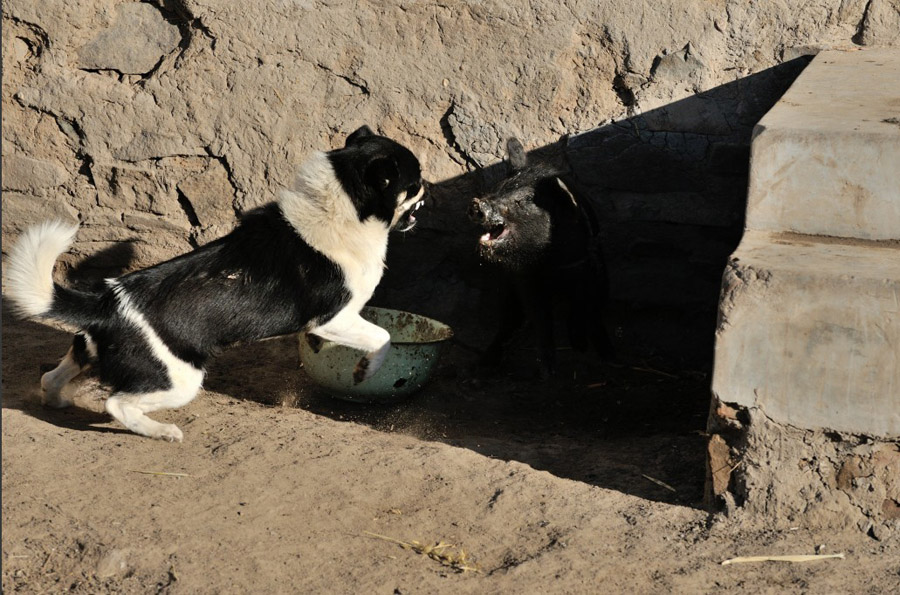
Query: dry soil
[(590, 483)]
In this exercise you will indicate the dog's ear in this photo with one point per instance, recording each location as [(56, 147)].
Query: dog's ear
[(359, 133), (380, 173), (516, 152)]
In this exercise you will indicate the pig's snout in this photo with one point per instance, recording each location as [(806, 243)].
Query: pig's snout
[(479, 211)]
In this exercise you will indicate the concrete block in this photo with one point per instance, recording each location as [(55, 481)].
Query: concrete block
[(806, 353), (809, 315), (826, 159), (808, 333)]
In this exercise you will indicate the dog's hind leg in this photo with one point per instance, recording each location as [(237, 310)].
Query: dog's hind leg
[(54, 381), (76, 360), (354, 331), (130, 409)]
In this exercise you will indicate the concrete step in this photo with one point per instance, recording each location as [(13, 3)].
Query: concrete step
[(809, 332), (826, 159), (806, 380)]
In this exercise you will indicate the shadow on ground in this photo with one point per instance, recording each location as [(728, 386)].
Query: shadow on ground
[(618, 427), (28, 349), (613, 427)]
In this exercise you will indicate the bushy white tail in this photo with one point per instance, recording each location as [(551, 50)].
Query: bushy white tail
[(29, 268)]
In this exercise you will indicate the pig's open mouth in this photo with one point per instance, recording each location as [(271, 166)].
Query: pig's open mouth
[(496, 233)]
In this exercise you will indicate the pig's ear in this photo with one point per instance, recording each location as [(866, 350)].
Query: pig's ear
[(517, 158), (357, 134), (566, 193)]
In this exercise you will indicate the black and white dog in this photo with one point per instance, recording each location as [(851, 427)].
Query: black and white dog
[(309, 261)]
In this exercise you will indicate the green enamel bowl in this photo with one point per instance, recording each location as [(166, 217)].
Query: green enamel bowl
[(416, 342)]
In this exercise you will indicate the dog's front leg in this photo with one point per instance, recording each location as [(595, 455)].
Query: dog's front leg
[(353, 331)]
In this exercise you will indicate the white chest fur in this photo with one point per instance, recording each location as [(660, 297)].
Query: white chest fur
[(360, 254), (317, 206)]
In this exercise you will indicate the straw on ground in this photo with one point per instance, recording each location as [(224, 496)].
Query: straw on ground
[(440, 552), (659, 482), (165, 473), (790, 558)]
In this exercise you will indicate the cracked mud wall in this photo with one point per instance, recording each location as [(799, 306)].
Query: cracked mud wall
[(790, 476), (157, 123)]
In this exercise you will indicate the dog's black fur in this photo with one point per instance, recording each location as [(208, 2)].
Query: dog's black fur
[(261, 280)]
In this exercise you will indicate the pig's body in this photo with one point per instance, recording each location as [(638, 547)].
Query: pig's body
[(544, 243)]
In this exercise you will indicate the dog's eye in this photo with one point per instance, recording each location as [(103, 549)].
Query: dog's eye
[(413, 189)]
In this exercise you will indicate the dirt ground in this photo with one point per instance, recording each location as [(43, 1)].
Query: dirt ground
[(590, 483)]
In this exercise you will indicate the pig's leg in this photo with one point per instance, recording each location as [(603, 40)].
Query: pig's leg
[(578, 312), (537, 298), (578, 334), (599, 292), (511, 318), (586, 323), (602, 341), (546, 345), (587, 297)]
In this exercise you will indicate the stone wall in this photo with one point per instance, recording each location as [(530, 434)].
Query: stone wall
[(156, 124)]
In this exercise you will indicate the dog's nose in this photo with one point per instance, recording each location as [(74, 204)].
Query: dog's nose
[(478, 211)]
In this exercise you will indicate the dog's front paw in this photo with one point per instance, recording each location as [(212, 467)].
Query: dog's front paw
[(315, 342), (361, 371), (370, 364)]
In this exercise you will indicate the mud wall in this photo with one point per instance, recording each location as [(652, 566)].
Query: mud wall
[(763, 469), (155, 124)]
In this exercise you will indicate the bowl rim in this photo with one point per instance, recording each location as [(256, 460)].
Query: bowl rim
[(438, 323)]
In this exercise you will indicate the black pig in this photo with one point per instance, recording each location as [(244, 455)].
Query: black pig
[(544, 243)]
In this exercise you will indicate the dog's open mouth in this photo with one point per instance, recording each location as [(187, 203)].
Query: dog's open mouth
[(408, 219), (496, 233)]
